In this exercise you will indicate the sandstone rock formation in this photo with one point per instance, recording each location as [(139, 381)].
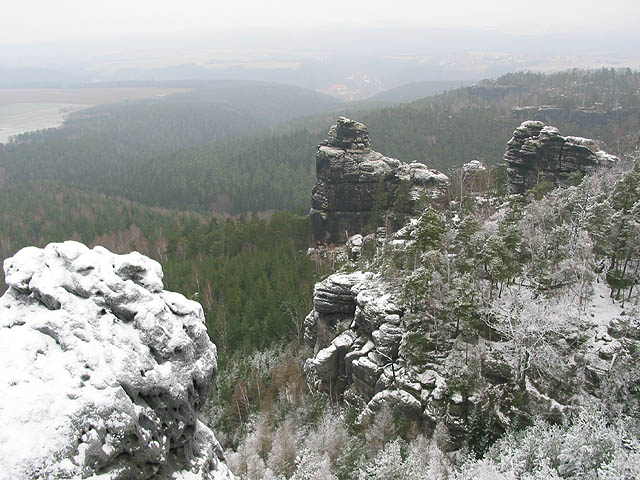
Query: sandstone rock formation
[(103, 372), (373, 351), (357, 187), (537, 153)]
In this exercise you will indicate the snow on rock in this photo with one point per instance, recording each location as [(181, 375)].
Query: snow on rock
[(351, 345), (538, 153), (409, 406), (103, 371), (473, 167), (354, 182), (354, 246)]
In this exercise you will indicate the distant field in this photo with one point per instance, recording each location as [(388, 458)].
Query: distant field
[(27, 109), (16, 118), (84, 96)]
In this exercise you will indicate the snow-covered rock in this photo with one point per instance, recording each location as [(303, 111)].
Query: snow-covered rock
[(398, 400), (103, 372), (354, 246), (474, 167)]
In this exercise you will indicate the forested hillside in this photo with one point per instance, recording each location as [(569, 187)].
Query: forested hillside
[(514, 353), (251, 275), (96, 143), (137, 150), (604, 88), (416, 90), (255, 174)]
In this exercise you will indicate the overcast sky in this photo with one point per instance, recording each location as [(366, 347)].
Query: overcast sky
[(47, 21)]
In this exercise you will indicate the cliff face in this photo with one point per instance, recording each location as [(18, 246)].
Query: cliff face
[(103, 371), (537, 153), (357, 187)]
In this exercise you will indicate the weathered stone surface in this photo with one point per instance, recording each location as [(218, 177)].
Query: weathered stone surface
[(474, 167), (628, 326), (398, 401), (396, 376), (353, 181), (387, 340), (373, 306), (328, 365), (349, 135), (537, 153), (334, 304), (364, 375), (354, 246), (333, 295), (495, 368), (103, 372)]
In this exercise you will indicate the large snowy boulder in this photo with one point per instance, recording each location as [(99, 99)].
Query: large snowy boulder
[(103, 372)]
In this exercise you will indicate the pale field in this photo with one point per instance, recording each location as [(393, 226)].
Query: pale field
[(83, 96), (27, 109)]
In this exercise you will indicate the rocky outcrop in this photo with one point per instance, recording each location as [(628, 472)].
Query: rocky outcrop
[(357, 188), (354, 332), (103, 371), (537, 153), (374, 350)]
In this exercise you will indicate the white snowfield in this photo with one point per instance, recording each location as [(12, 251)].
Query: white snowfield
[(102, 371)]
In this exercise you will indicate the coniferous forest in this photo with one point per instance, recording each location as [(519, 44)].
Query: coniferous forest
[(215, 184)]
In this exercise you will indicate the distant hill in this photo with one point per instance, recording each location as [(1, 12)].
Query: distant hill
[(222, 148), (94, 143), (416, 90)]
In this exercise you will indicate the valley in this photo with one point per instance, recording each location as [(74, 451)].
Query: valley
[(462, 304)]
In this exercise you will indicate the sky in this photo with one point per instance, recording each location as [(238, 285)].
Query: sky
[(26, 22)]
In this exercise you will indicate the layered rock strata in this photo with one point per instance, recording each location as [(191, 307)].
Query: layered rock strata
[(357, 188), (538, 153), (103, 371)]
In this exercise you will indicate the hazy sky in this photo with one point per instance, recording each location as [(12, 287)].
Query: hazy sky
[(46, 21)]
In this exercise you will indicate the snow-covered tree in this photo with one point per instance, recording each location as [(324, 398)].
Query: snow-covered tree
[(312, 465), (531, 330)]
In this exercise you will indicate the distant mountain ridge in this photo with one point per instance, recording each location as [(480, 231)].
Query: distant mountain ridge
[(417, 90), (236, 147)]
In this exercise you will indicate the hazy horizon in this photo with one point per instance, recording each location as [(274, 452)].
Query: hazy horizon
[(37, 21), (368, 47)]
